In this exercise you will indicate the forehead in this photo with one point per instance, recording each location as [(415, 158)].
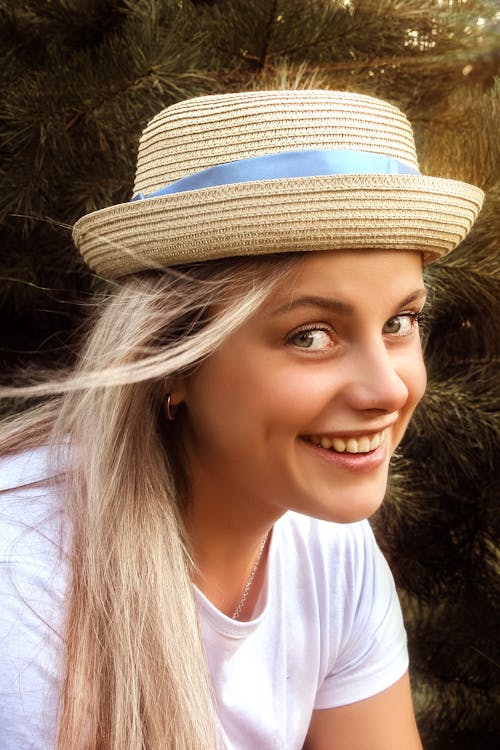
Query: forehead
[(351, 276)]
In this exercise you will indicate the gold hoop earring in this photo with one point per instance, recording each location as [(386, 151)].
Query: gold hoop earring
[(168, 409)]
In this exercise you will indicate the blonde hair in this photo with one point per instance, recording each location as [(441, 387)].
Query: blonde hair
[(135, 668)]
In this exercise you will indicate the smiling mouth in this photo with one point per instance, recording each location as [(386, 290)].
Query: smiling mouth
[(361, 444)]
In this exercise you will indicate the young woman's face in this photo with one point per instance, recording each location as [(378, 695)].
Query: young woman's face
[(302, 407)]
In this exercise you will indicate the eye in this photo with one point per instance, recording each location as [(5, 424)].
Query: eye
[(403, 324), (314, 338)]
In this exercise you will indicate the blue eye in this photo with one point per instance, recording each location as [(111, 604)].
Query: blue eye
[(403, 324), (312, 339)]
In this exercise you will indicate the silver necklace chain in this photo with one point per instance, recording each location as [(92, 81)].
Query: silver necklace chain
[(248, 584)]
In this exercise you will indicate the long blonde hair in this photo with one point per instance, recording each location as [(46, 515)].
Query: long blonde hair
[(135, 669)]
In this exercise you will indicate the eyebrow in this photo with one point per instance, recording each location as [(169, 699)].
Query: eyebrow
[(337, 306)]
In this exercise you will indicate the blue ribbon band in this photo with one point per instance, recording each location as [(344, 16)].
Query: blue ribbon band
[(313, 163)]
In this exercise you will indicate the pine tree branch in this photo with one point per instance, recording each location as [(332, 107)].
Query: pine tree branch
[(115, 91), (261, 59), (273, 12), (445, 61)]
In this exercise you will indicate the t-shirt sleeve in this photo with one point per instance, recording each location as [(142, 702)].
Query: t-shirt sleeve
[(32, 571), (372, 648)]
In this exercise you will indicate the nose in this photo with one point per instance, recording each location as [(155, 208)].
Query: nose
[(375, 383)]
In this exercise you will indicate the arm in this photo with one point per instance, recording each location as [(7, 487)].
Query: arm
[(385, 721), (32, 594)]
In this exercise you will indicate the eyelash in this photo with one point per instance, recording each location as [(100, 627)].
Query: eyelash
[(309, 328), (415, 318)]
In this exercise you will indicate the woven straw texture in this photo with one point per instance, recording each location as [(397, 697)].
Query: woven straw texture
[(407, 212)]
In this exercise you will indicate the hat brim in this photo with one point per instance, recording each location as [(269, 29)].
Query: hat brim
[(430, 215)]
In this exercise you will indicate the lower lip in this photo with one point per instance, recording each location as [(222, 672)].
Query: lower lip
[(355, 462)]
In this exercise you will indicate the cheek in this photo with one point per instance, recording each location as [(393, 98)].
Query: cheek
[(418, 381), (414, 375), (295, 396), (229, 409), (227, 406)]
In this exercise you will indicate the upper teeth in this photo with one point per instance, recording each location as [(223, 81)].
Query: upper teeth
[(362, 444)]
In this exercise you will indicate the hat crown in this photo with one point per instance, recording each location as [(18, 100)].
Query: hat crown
[(200, 133), (266, 172)]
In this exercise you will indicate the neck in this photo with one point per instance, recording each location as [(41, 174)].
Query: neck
[(226, 548), (233, 587)]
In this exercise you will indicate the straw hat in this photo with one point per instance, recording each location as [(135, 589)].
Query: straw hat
[(276, 171)]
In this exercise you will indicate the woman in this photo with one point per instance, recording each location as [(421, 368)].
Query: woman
[(189, 564)]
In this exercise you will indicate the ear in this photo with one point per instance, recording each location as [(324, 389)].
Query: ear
[(175, 395), (176, 388)]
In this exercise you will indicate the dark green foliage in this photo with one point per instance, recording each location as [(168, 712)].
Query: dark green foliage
[(73, 106), (78, 81)]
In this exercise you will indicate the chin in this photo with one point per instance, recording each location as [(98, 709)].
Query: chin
[(354, 501), (353, 515), (340, 510), (359, 514)]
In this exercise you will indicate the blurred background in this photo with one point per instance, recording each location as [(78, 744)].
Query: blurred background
[(78, 81)]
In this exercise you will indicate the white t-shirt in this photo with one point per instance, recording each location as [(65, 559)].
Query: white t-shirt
[(327, 629)]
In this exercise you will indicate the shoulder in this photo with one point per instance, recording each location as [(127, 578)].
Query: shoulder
[(326, 540), (344, 570), (340, 565), (30, 505), (33, 575), (348, 599)]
